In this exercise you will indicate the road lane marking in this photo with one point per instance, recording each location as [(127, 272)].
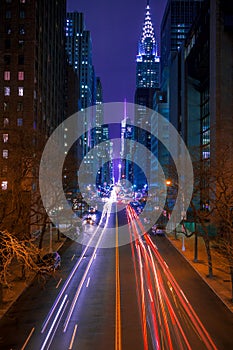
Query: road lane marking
[(118, 299), (88, 281), (28, 338), (73, 336), (73, 257), (59, 282)]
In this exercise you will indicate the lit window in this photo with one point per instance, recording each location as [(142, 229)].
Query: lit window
[(20, 91), (7, 75), (21, 30), (19, 122), (7, 91), (20, 75), (4, 185), (6, 122), (5, 106), (8, 30), (5, 153), (5, 138), (22, 1)]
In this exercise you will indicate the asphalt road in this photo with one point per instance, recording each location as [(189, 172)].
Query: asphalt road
[(118, 303)]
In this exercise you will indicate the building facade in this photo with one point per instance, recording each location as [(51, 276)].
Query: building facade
[(32, 70), (147, 83)]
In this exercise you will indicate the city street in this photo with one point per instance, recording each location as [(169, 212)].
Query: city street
[(142, 295)]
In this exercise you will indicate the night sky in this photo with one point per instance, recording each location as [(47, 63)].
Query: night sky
[(115, 28)]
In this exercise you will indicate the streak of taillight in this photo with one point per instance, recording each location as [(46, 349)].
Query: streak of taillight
[(188, 308)]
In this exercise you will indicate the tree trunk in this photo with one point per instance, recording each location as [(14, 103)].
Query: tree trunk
[(231, 273), (1, 294), (23, 272), (42, 235), (209, 257)]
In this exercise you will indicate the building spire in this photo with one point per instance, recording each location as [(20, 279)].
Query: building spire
[(147, 41)]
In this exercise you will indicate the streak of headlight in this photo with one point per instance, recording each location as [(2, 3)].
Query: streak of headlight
[(68, 280), (53, 324), (84, 276)]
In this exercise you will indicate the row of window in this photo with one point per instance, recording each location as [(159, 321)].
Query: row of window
[(6, 106), (7, 75), (6, 122), (7, 91)]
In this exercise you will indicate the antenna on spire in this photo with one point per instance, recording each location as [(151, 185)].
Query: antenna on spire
[(125, 108), (148, 2)]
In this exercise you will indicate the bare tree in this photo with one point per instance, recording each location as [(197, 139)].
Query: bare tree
[(25, 252), (222, 203)]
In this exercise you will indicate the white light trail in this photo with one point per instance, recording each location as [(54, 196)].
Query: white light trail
[(108, 211), (53, 324)]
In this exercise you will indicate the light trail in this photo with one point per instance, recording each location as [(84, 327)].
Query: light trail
[(53, 324), (165, 307), (75, 299), (62, 291)]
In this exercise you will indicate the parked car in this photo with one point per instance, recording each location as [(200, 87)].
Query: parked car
[(50, 262), (158, 229)]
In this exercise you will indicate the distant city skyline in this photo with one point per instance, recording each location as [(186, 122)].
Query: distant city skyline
[(115, 30)]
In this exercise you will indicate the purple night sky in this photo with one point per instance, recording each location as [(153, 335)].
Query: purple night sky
[(115, 28)]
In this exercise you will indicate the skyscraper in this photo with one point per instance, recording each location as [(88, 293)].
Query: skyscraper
[(177, 20), (147, 82), (79, 52), (32, 80)]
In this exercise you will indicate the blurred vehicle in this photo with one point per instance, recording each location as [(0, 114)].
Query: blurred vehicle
[(88, 221), (136, 206), (92, 210), (158, 229), (50, 262)]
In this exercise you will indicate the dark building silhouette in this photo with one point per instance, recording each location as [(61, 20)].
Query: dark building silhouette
[(32, 66)]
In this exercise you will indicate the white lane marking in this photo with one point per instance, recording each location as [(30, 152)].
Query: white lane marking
[(59, 282), (73, 257), (88, 281), (28, 338), (73, 336)]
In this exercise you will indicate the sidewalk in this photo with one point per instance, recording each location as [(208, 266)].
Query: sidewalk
[(220, 283), (18, 285)]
